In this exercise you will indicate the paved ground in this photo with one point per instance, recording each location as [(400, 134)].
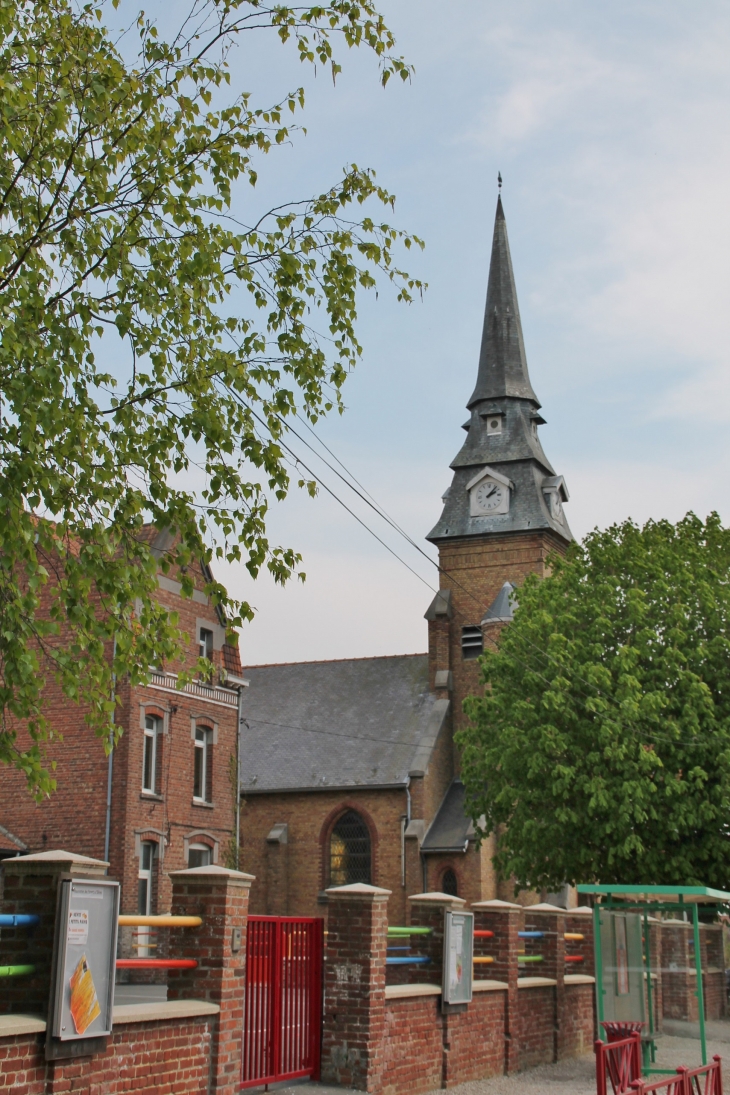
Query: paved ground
[(574, 1077)]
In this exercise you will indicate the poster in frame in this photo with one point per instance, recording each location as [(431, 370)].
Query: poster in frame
[(458, 957), (84, 960)]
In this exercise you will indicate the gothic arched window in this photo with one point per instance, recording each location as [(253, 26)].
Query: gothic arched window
[(349, 851), (449, 883)]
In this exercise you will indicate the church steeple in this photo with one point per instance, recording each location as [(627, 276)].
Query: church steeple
[(503, 481), (502, 360)]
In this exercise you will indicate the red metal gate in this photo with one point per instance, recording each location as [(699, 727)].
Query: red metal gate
[(282, 1009)]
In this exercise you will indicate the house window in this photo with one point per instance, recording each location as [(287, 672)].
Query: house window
[(152, 729), (198, 855), (206, 644), (202, 765), (449, 883), (145, 876), (472, 642), (349, 851)]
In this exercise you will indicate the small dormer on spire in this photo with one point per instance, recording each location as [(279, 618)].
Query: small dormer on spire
[(502, 359)]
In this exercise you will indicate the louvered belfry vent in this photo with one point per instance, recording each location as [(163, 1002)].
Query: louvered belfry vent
[(349, 851), (471, 642)]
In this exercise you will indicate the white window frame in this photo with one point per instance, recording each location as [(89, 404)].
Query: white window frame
[(146, 875), (151, 742), (198, 847), (201, 745), (205, 645)]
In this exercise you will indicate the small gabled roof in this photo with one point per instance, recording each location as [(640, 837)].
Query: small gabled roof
[(502, 608), (451, 829), (492, 473)]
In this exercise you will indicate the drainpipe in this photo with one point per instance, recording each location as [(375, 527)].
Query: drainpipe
[(239, 684), (404, 823), (110, 765)]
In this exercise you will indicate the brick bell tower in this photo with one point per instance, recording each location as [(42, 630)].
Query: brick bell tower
[(503, 513)]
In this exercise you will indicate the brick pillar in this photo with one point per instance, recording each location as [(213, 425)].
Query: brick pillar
[(581, 922), (427, 911), (220, 897), (551, 920), (30, 885), (354, 994), (503, 918)]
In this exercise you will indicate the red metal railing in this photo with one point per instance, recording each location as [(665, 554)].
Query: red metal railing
[(619, 1062), (282, 1014), (706, 1080)]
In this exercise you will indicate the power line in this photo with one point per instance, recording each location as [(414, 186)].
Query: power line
[(253, 720), (375, 506), (344, 505)]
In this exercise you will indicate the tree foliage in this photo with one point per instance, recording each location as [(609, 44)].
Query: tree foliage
[(152, 345), (600, 749)]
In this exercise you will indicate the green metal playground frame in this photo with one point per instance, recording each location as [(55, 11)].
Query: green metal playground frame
[(651, 899)]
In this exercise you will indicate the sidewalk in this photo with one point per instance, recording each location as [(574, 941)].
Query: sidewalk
[(576, 1076)]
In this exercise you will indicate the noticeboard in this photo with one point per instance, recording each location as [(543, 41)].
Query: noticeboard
[(85, 954), (458, 957)]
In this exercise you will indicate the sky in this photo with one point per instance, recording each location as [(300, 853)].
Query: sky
[(609, 124)]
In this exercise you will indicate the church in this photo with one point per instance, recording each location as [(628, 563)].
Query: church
[(349, 768)]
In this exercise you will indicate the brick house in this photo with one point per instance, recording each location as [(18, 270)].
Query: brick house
[(165, 800), (349, 769)]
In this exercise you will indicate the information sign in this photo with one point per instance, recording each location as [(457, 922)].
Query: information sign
[(458, 957), (85, 959)]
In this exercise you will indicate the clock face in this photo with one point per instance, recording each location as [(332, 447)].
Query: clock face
[(489, 496), (556, 506)]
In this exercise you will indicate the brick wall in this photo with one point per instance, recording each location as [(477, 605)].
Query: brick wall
[(424, 1049), (23, 1065), (578, 1031), (144, 1058), (412, 1045), (536, 1026), (474, 1040)]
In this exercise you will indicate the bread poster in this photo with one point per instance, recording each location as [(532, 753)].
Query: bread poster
[(84, 1004)]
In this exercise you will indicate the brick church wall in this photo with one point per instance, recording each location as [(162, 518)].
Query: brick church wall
[(309, 818), (475, 570)]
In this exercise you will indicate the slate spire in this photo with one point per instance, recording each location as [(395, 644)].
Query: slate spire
[(502, 360), (502, 450)]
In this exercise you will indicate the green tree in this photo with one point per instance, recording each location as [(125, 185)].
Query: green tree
[(600, 748), (117, 234)]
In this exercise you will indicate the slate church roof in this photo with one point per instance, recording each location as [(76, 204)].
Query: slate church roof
[(359, 722)]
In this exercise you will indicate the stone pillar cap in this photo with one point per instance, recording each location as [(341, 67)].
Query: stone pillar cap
[(69, 861), (215, 872), (544, 907), (358, 890), (495, 904), (581, 910), (437, 898)]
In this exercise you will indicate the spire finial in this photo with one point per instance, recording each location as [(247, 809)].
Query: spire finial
[(499, 182)]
